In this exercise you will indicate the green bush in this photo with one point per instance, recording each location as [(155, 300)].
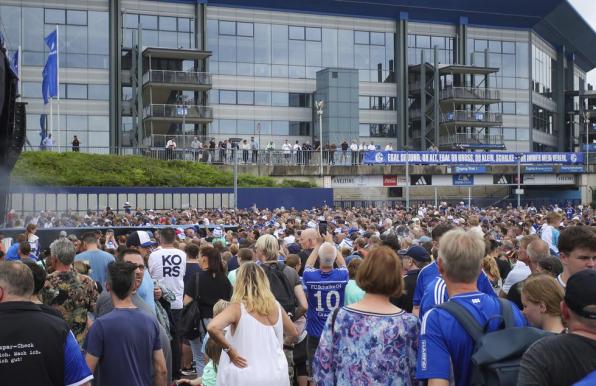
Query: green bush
[(80, 169)]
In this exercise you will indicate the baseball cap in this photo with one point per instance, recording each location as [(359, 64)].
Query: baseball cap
[(416, 252), (580, 293), (63, 234), (139, 239)]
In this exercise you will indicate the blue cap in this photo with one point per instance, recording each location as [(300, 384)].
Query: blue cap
[(416, 252)]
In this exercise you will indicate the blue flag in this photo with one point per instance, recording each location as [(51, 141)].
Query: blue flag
[(43, 132), (14, 62), (49, 85)]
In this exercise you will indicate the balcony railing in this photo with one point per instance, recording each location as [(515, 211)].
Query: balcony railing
[(470, 93), (472, 118), (471, 139), (177, 77), (189, 112)]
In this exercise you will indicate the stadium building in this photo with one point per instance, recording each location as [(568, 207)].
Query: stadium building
[(412, 73)]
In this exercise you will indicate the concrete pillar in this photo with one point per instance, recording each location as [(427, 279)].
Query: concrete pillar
[(115, 37), (401, 72)]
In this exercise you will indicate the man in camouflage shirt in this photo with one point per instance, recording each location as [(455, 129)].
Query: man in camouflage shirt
[(72, 294)]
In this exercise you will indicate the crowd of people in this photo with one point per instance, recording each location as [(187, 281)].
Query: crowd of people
[(287, 297)]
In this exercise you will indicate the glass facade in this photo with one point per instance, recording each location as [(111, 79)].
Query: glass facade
[(366, 102), (378, 130), (159, 31), (426, 43), (511, 58), (260, 98), (294, 51), (247, 127), (543, 120), (543, 66)]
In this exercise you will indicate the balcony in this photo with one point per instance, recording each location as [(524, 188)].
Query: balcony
[(470, 118), (187, 80), (178, 113), (470, 95), (472, 141)]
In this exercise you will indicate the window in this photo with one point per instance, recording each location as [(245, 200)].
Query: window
[(76, 91), (279, 99), (76, 17), (245, 98), (227, 97), (227, 27), (31, 89), (299, 128), (148, 22), (364, 103), (296, 33), (99, 92), (377, 38), (55, 16), (167, 23), (280, 128), (299, 100), (244, 29), (130, 21), (262, 98), (509, 108), (184, 24), (361, 37), (313, 34)]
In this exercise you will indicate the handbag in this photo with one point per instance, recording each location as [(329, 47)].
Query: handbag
[(191, 321)]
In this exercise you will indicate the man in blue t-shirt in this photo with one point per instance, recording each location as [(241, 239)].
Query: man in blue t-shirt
[(445, 348), (124, 344), (98, 260), (325, 290)]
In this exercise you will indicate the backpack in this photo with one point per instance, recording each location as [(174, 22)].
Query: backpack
[(497, 354), (191, 322), (280, 286)]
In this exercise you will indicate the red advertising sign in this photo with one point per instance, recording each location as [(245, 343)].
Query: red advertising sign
[(390, 180)]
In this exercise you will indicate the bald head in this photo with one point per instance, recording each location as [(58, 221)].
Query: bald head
[(16, 281), (537, 249), (308, 238)]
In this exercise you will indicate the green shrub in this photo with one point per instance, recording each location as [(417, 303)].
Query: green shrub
[(80, 169)]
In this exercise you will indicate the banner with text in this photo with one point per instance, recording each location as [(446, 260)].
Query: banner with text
[(433, 158)]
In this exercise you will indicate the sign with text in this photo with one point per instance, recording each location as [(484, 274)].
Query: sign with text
[(571, 169), (421, 179), (469, 169), (390, 180), (506, 179), (539, 169), (482, 158), (463, 179)]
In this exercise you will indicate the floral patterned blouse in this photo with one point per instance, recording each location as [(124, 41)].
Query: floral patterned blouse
[(367, 349)]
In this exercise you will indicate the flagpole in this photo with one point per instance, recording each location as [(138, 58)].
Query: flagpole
[(58, 79), (19, 72)]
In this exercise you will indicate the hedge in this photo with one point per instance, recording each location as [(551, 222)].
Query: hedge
[(81, 169)]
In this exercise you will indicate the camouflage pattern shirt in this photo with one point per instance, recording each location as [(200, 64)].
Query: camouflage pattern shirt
[(73, 295)]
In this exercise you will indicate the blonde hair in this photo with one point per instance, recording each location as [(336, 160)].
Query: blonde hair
[(219, 306), (543, 288), (252, 290), (269, 246), (489, 264)]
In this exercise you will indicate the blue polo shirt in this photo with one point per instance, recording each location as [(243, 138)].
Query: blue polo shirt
[(443, 341), (436, 292), (325, 291)]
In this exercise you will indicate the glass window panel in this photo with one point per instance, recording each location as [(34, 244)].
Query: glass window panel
[(422, 41), (279, 99), (263, 70), (227, 68), (279, 42), (227, 48), (264, 127), (362, 57), (313, 34), (521, 60), (227, 97), (523, 108), (364, 130), (438, 41), (99, 138), (280, 71), (184, 24), (311, 72), (313, 53), (245, 50), (494, 60), (74, 60), (480, 45), (167, 23), (377, 38), (364, 102), (11, 20), (361, 37), (227, 27), (246, 127), (55, 16), (148, 22), (150, 38), (508, 65), (245, 69), (329, 47), (227, 126), (244, 29), (509, 108), (297, 52), (508, 47), (128, 21), (262, 43), (76, 39), (280, 128), (523, 134), (168, 39), (297, 72), (31, 89), (345, 48), (99, 92), (98, 36), (377, 57), (76, 91), (508, 134), (296, 33), (76, 123), (76, 17), (34, 33), (508, 82), (262, 98), (184, 40), (364, 75), (494, 46), (245, 98)]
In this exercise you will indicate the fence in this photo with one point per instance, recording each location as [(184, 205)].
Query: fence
[(479, 202)]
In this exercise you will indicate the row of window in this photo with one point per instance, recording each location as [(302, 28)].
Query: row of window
[(62, 16), (70, 91), (379, 130), (243, 127), (161, 23), (92, 130), (542, 72), (543, 120), (377, 103), (260, 98)]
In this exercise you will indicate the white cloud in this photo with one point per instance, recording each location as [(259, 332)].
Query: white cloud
[(587, 8)]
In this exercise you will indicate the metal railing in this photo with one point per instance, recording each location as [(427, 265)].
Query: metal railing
[(472, 117), (178, 111), (177, 77), (470, 93), (471, 138)]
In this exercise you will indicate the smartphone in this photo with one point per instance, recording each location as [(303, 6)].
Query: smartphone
[(323, 227)]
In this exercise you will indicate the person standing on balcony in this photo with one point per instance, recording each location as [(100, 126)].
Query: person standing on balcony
[(76, 144), (270, 149), (212, 150), (222, 150), (354, 151), (254, 145), (332, 149), (229, 150), (245, 149), (48, 143), (196, 147), (170, 146), (287, 150), (344, 151)]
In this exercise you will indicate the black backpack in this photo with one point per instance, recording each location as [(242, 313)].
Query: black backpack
[(280, 286), (497, 354), (191, 322)]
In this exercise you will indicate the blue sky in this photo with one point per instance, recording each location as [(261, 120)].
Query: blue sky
[(587, 8)]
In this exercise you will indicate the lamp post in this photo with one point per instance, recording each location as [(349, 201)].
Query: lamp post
[(319, 106), (587, 122), (407, 177), (518, 157), (259, 134)]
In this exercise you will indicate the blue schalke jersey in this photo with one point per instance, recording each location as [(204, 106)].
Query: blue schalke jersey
[(325, 291), (444, 341), (425, 277), (436, 292)]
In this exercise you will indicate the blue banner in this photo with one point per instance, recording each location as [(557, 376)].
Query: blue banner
[(463, 179), (49, 85), (539, 169), (470, 169), (571, 169), (481, 158)]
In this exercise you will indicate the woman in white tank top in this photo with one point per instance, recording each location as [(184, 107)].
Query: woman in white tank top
[(253, 346)]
